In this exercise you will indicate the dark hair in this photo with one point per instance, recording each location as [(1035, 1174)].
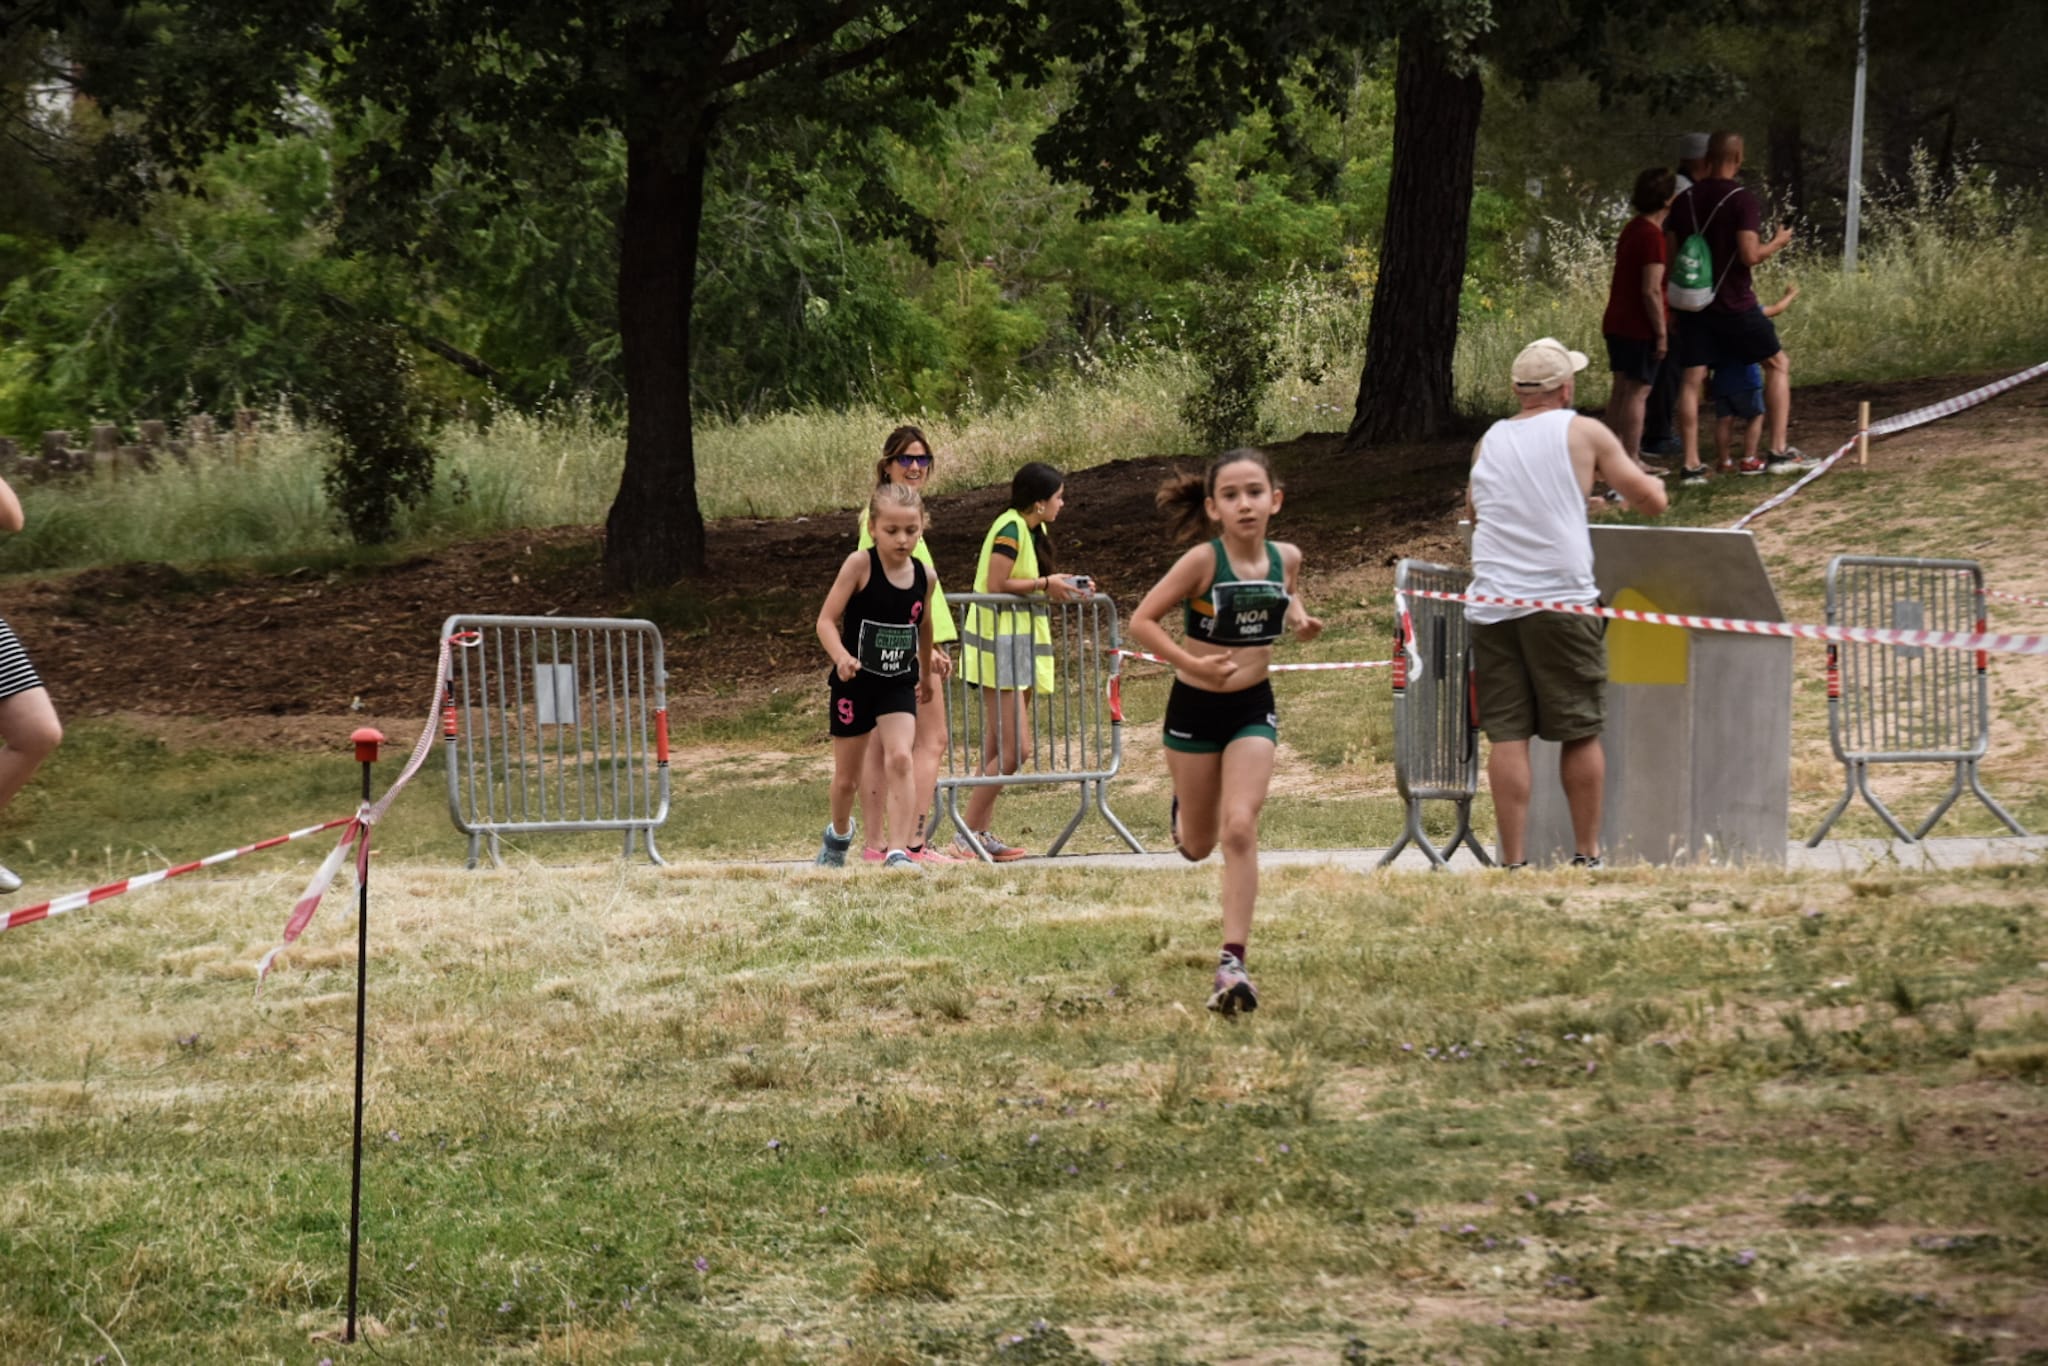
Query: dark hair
[(894, 445), (1653, 191), (1184, 498), (1034, 483)]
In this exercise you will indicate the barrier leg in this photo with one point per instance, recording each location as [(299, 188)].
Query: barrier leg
[(653, 855), (1977, 786), (953, 815), (1884, 812), (475, 851), (1465, 837), (1827, 822), (1102, 805), (1080, 814), (1955, 790), (497, 852)]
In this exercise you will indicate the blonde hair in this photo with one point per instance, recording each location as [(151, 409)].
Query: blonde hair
[(896, 496)]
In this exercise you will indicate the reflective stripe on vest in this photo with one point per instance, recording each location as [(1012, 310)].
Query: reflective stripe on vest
[(985, 626)]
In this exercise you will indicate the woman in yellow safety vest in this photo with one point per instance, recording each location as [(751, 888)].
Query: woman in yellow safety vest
[(907, 459), (1007, 651)]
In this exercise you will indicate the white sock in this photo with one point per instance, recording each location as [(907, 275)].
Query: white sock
[(833, 831)]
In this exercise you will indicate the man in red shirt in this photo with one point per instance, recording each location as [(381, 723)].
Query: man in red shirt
[(1732, 328)]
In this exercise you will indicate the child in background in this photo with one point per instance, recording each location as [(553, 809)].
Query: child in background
[(1238, 592), (1738, 392), (877, 630)]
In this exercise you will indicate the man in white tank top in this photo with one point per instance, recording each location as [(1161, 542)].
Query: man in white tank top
[(1544, 673)]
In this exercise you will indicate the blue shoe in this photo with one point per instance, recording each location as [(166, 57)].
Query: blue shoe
[(1234, 990), (899, 861), (832, 853)]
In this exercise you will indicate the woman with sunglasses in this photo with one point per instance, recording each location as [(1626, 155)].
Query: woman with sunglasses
[(907, 460)]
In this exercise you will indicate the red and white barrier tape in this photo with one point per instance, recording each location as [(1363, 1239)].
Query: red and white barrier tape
[(1998, 642), (1948, 407), (1277, 668), (77, 900), (2015, 597), (358, 831)]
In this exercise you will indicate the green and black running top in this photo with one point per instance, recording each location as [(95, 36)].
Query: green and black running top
[(880, 625), (1237, 612)]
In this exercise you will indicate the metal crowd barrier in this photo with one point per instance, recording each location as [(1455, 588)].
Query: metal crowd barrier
[(555, 723), (1436, 740), (1907, 704), (1076, 731)]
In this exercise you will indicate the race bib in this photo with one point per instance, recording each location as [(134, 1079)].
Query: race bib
[(887, 651), (1248, 612)]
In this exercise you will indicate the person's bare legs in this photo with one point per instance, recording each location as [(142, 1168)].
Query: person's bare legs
[(1724, 442), (1690, 385), (927, 753), (873, 797), (1582, 768), (29, 725), (849, 761), (1198, 787), (895, 733), (1778, 397), (1507, 778), (1626, 403), (1752, 433), (1247, 772), (1005, 740)]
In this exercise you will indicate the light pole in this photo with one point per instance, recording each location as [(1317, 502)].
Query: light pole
[(1854, 227)]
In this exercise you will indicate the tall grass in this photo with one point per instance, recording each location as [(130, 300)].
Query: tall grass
[(1947, 282)]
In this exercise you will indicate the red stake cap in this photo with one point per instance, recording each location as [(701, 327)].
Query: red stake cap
[(366, 741)]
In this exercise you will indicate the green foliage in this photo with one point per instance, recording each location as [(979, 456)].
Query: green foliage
[(383, 462), (1231, 340)]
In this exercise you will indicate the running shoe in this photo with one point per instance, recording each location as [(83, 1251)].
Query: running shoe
[(832, 853), (931, 853), (10, 881), (1693, 474), (998, 851), (1754, 465), (896, 861), (1234, 991), (870, 854), (1587, 861), (1791, 460)]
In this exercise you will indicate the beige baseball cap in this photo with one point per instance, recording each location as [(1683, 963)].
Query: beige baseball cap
[(1546, 363)]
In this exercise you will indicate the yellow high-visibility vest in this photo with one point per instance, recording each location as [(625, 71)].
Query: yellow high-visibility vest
[(991, 632)]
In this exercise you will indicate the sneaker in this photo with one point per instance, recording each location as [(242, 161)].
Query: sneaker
[(832, 853), (1234, 991), (10, 881), (931, 853), (1754, 465), (1791, 460), (998, 851), (1522, 867), (870, 854), (1587, 861), (1693, 474), (897, 861)]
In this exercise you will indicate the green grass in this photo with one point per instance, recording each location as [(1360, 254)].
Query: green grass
[(1619, 1119)]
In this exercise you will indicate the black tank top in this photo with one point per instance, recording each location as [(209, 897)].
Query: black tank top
[(880, 625)]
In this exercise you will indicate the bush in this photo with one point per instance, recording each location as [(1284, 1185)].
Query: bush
[(383, 461), (1235, 359)]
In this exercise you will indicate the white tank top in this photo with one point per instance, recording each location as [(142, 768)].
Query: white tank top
[(1530, 540)]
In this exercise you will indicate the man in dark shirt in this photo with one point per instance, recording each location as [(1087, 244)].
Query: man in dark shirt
[(1732, 328)]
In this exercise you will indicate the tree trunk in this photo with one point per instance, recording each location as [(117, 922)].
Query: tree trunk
[(1404, 393), (655, 532), (1787, 164)]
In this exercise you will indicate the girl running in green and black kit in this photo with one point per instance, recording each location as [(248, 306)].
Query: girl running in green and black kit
[(1239, 593)]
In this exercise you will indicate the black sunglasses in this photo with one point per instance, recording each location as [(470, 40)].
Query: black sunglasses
[(913, 460)]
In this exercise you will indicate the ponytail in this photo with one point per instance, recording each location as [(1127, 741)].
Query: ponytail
[(1185, 497)]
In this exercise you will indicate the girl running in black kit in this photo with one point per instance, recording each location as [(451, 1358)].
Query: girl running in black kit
[(1239, 592), (876, 628)]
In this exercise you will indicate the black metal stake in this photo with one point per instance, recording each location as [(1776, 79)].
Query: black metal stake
[(366, 741)]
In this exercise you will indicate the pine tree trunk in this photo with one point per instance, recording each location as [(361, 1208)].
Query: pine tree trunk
[(655, 532), (1404, 393)]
